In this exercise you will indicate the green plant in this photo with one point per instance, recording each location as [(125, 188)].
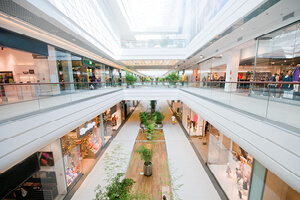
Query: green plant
[(159, 117), (162, 79), (144, 117), (146, 154), (117, 189), (172, 78), (150, 126), (130, 78), (153, 104)]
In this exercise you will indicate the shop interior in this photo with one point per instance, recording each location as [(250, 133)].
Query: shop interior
[(231, 165), (21, 67), (111, 121), (79, 147), (30, 181)]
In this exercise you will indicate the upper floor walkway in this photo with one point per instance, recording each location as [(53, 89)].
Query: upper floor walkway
[(274, 104), (265, 126)]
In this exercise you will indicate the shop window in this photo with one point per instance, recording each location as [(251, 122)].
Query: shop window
[(231, 165), (276, 189)]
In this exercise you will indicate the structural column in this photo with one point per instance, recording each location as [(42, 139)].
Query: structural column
[(53, 72), (102, 129), (232, 69), (68, 72), (257, 181)]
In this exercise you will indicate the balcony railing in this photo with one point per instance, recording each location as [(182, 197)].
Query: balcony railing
[(277, 101)]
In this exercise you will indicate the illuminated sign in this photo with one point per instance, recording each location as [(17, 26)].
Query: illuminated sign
[(89, 62), (88, 127)]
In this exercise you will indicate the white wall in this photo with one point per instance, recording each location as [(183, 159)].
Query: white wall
[(275, 148), (21, 138), (58, 167), (19, 61)]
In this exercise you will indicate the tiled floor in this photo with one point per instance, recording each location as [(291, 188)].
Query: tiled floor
[(184, 163)]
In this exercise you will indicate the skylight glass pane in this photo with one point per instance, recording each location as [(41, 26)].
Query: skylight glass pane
[(154, 15)]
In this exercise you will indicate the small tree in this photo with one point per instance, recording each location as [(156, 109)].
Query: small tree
[(117, 189), (130, 78), (144, 117), (173, 78), (159, 117), (146, 154), (153, 105)]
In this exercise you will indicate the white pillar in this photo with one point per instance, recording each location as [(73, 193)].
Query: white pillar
[(68, 72), (53, 70), (58, 167), (232, 69)]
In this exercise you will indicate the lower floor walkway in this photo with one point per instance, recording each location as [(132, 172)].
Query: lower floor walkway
[(186, 171)]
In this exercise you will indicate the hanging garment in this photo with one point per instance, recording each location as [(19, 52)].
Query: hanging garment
[(296, 74), (195, 118)]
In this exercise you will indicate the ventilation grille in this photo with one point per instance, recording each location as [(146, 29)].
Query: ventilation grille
[(239, 39), (288, 16)]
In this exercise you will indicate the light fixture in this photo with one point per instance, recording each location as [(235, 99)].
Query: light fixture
[(201, 56)]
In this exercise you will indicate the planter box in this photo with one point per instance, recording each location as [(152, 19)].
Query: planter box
[(158, 126), (148, 169)]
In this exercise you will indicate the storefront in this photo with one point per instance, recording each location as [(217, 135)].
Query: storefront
[(192, 122), (78, 146), (231, 165), (40, 175), (112, 119), (21, 67)]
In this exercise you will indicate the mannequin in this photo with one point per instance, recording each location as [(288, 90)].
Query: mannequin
[(238, 175), (245, 184), (228, 170), (240, 189)]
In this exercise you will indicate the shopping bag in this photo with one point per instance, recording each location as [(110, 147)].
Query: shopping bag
[(24, 192)]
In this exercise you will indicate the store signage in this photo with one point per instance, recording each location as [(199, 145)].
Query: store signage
[(87, 128), (89, 62)]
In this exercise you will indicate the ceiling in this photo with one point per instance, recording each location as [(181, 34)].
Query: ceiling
[(156, 34), (149, 62)]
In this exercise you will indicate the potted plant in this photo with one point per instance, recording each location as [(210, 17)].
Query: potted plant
[(172, 78), (130, 79), (150, 126), (162, 80), (146, 155), (153, 105), (159, 118), (156, 80), (117, 189), (144, 116), (143, 79)]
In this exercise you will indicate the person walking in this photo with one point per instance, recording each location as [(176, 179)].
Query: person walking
[(173, 119)]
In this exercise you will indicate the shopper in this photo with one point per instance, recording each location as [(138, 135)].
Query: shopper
[(173, 119), (272, 86), (285, 87)]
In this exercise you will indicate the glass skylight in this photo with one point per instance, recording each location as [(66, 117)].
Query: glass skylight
[(153, 15)]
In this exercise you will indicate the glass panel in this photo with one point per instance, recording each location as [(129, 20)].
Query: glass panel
[(230, 164), (285, 62), (257, 184), (276, 189)]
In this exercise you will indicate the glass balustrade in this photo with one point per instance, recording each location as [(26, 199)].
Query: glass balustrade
[(277, 101)]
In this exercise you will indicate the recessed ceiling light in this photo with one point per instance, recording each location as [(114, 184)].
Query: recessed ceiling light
[(242, 28)]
